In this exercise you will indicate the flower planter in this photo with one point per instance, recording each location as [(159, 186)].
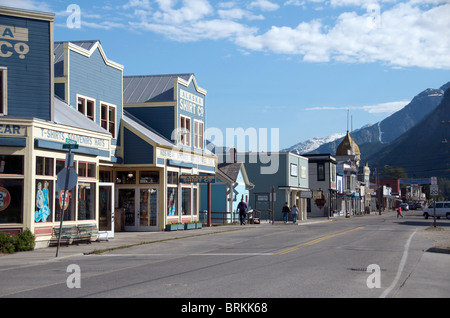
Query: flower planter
[(198, 225), (189, 226), (174, 227)]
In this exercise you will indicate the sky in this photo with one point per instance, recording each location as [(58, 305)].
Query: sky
[(293, 69)]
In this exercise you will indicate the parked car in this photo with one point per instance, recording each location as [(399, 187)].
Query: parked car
[(412, 206), (442, 210), (404, 206)]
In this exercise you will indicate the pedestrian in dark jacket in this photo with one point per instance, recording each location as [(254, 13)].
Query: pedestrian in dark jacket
[(242, 208), (286, 211)]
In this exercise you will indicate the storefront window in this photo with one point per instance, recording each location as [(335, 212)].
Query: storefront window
[(87, 170), (147, 177), (126, 177), (172, 195), (11, 198), (172, 177), (86, 201), (186, 201), (11, 164), (195, 202), (44, 197), (44, 166)]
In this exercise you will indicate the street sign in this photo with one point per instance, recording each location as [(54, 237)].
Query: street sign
[(70, 144), (197, 178), (434, 190), (71, 182), (433, 180)]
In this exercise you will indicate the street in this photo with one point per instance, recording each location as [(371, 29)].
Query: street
[(369, 257)]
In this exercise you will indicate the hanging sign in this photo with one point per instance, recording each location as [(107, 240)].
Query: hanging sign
[(5, 198)]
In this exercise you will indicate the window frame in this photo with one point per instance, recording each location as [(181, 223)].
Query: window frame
[(3, 91), (107, 121), (185, 131), (199, 133), (85, 100)]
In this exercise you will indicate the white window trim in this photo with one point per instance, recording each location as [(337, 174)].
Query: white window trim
[(108, 119), (202, 144), (90, 99), (185, 131), (5, 91)]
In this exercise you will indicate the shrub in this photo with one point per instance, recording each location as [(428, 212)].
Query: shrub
[(9, 243)]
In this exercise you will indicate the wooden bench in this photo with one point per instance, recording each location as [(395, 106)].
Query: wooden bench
[(89, 232), (68, 235)]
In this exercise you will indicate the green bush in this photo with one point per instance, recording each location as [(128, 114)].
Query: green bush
[(9, 243)]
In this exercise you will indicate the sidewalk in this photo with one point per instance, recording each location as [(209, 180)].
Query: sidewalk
[(124, 240)]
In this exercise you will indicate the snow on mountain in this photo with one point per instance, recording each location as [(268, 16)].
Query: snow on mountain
[(312, 144)]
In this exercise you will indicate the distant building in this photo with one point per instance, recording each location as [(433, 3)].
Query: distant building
[(290, 181), (323, 184)]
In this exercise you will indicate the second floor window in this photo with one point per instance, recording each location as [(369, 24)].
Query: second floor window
[(198, 135), (86, 106), (108, 118), (185, 131), (2, 91)]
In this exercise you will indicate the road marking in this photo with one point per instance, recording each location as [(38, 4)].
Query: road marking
[(318, 240), (400, 267)]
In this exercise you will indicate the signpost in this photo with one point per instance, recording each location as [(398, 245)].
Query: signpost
[(434, 191), (67, 179)]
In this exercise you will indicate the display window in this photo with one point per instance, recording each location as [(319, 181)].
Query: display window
[(186, 201), (86, 201), (44, 199), (172, 201), (11, 200)]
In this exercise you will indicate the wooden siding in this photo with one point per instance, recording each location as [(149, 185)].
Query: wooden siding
[(136, 150), (29, 79), (91, 77), (159, 119)]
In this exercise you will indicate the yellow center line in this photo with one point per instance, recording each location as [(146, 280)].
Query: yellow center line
[(318, 240)]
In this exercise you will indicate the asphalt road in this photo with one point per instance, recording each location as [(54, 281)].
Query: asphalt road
[(324, 260)]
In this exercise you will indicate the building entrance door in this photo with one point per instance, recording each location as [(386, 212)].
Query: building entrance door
[(106, 208), (141, 208)]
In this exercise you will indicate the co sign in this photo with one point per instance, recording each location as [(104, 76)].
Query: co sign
[(16, 34)]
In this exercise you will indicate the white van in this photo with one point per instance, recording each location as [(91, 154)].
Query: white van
[(442, 210)]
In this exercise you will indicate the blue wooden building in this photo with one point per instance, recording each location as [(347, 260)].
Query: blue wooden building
[(164, 138), (286, 172), (36, 124)]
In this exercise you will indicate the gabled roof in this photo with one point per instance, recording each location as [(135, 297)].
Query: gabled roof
[(150, 88), (231, 172), (86, 48)]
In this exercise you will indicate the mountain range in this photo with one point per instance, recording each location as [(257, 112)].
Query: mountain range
[(384, 140)]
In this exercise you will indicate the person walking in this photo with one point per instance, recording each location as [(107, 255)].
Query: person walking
[(242, 208), (294, 211), (285, 211), (399, 212)]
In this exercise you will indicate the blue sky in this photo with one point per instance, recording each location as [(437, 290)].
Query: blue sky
[(292, 65)]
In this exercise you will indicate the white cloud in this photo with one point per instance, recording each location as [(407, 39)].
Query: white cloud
[(264, 5), (405, 35), (389, 107), (408, 33)]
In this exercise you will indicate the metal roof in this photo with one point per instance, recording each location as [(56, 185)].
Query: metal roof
[(69, 116), (150, 88)]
